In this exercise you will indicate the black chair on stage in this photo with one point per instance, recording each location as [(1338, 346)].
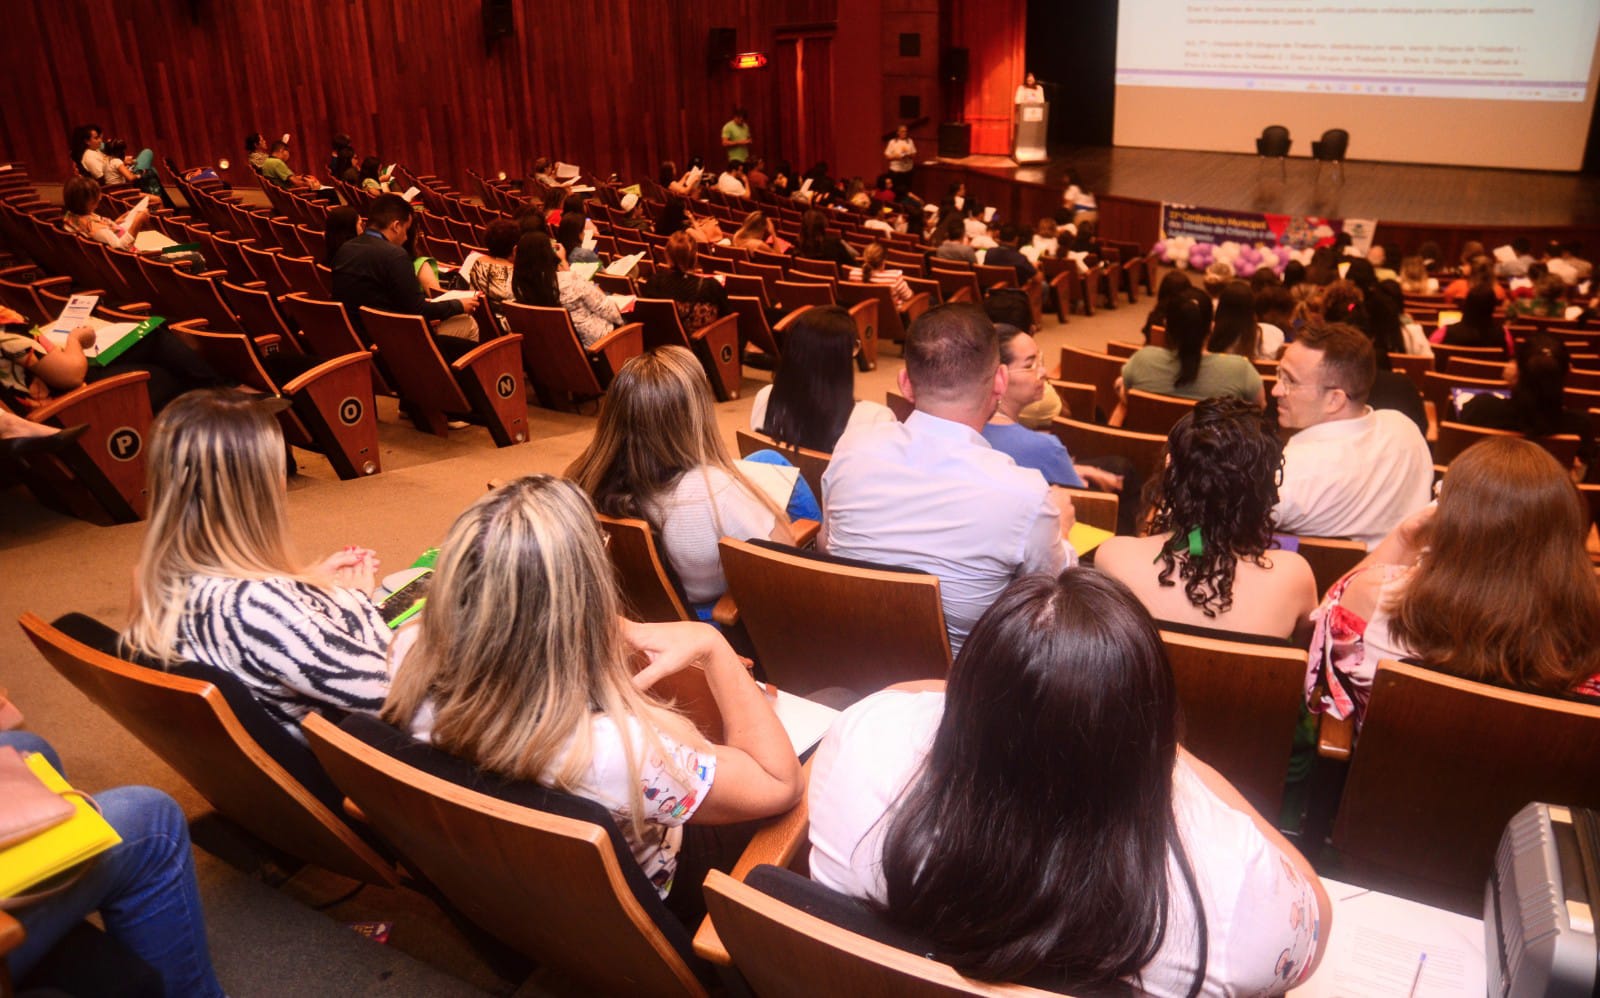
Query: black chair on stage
[(1274, 143), (1331, 149)]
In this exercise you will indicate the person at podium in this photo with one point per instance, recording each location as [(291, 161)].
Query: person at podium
[(1029, 91)]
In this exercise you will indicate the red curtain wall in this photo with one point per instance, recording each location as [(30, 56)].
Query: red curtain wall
[(993, 33)]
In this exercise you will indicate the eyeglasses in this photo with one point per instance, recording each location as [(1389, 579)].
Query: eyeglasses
[(1290, 382)]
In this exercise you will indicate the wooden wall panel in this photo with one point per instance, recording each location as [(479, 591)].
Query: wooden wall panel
[(993, 33), (611, 84)]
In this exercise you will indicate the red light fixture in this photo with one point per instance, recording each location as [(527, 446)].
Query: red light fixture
[(749, 60)]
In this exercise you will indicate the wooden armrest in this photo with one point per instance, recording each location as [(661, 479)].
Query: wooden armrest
[(617, 346), (258, 285), (777, 843), (11, 933), (726, 612), (268, 342), (213, 274), (353, 811), (805, 532), (15, 273), (1334, 737)]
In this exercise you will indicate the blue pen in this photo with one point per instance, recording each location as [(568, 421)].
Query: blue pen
[(1421, 961)]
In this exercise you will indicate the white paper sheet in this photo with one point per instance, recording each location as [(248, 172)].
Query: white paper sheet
[(1377, 946)]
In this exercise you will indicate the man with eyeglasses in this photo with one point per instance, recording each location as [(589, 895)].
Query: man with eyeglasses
[(1351, 470)]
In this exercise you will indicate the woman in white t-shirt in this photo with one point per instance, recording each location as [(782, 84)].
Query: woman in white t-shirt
[(1029, 91), (657, 455), (1039, 823), (521, 664), (811, 401)]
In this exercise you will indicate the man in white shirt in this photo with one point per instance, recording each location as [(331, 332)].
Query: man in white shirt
[(930, 493), (1352, 471), (732, 180)]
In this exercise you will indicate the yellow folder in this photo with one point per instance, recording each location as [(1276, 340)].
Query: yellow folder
[(58, 849), (1085, 538)]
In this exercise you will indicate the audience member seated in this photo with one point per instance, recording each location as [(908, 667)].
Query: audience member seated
[(633, 216), (953, 241), (1038, 821), (255, 151), (1211, 531), (80, 202), (523, 663), (374, 270), (1217, 276), (1414, 279), (686, 185), (1174, 282), (570, 236), (543, 278), (657, 455), (1480, 273), (1549, 300), (216, 583), (491, 273), (276, 169), (1008, 255), (811, 401), (1234, 328), (873, 270), (931, 493), (144, 889), (1010, 307), (343, 224), (1478, 326), (817, 243), (731, 181), (33, 369), (103, 164), (1182, 367), (676, 217), (1522, 258), (1566, 264), (758, 235), (1274, 308), (1505, 595), (701, 299), (1045, 242), (1413, 338), (1041, 451), (1350, 470), (1374, 314), (1537, 406)]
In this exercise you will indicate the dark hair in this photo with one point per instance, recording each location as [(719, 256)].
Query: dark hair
[(1009, 233), (530, 217), (1036, 837), (951, 228), (342, 225), (1170, 285), (278, 146), (1348, 362), (1324, 266), (1383, 321), (813, 234), (950, 350), (1188, 325), (1521, 246), (500, 237), (1263, 278), (570, 232), (1294, 272), (1274, 298), (1429, 251), (1344, 302), (1233, 324), (370, 167), (1222, 475), (387, 209), (253, 140), (813, 388), (1537, 397), (79, 141), (533, 273), (682, 254), (1478, 326), (667, 173), (1361, 273), (674, 217), (554, 199), (79, 194), (1010, 306), (344, 166)]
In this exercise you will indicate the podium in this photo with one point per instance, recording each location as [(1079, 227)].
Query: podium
[(1031, 127)]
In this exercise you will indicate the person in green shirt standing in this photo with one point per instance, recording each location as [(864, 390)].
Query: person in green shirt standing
[(736, 136)]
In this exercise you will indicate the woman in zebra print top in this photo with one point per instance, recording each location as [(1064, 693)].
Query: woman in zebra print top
[(216, 583)]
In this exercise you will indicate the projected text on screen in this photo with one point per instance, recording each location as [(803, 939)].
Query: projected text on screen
[(1522, 50)]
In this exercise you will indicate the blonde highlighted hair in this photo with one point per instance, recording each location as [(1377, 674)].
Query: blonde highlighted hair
[(217, 488), (521, 646), (656, 425)]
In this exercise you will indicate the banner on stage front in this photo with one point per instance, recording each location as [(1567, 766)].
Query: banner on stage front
[(1253, 228)]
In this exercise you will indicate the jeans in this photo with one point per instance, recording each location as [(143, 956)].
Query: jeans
[(143, 888)]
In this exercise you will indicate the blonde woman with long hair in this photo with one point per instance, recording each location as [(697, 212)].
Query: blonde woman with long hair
[(218, 585), (521, 664), (657, 455)]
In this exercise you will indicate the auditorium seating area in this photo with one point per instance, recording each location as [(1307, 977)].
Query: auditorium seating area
[(392, 440)]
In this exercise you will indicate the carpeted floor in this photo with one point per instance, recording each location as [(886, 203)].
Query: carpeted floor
[(268, 939)]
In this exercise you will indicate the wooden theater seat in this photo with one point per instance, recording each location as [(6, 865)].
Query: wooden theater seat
[(245, 770), (487, 381), (103, 479), (1087, 441), (559, 366), (716, 344), (812, 463), (648, 589), (1149, 412), (819, 622)]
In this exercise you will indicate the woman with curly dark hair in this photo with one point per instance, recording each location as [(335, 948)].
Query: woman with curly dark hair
[(1205, 560)]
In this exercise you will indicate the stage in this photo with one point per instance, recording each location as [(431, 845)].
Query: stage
[(1411, 202)]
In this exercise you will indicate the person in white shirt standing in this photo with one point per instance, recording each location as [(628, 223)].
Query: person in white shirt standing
[(930, 493), (1029, 91), (901, 156), (1351, 470)]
